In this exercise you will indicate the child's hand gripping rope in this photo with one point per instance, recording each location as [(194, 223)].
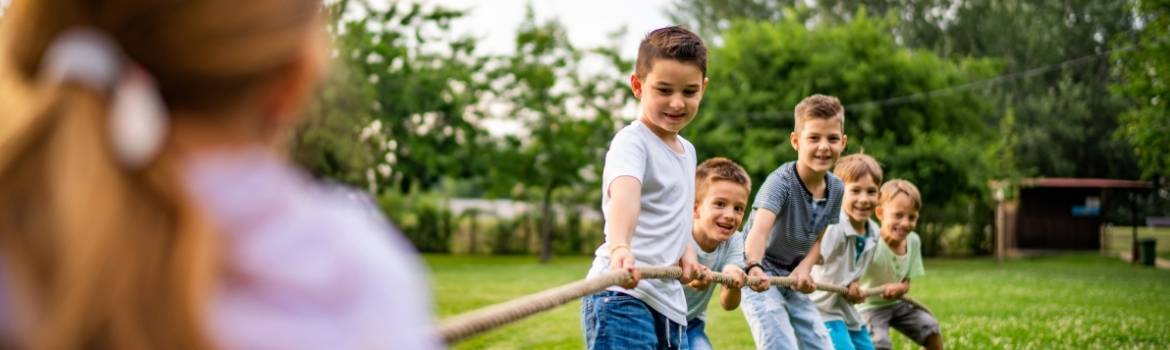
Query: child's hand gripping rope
[(470, 323)]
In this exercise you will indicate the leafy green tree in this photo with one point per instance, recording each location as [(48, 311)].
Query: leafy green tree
[(399, 112), (763, 69), (1145, 81), (568, 116), (1065, 115)]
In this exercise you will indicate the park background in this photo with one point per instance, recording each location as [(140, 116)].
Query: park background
[(480, 129), (487, 152)]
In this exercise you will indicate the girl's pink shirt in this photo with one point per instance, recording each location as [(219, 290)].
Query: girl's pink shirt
[(306, 265)]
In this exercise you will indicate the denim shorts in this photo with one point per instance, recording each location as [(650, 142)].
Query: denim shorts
[(615, 320), (697, 334), (781, 318)]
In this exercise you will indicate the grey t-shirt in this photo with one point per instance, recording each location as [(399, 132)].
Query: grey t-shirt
[(794, 232), (729, 252), (663, 227)]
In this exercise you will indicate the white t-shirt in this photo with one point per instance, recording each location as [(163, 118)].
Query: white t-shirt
[(663, 227)]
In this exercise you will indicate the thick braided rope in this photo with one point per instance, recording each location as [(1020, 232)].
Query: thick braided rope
[(465, 325)]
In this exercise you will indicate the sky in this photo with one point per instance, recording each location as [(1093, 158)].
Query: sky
[(588, 22)]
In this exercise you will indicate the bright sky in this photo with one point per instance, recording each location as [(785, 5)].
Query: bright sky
[(588, 22)]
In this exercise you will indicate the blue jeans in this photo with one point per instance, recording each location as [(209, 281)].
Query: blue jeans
[(845, 339), (781, 318), (697, 335), (615, 320)]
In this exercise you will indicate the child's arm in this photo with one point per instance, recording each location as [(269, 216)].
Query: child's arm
[(753, 246), (729, 296), (802, 273), (896, 290), (625, 193)]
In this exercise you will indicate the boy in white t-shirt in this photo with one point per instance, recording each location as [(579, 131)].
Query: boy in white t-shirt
[(648, 190)]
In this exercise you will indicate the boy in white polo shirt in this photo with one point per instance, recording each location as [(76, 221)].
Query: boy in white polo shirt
[(846, 250)]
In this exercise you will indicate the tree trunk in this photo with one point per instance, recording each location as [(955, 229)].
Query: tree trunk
[(546, 224), (474, 215)]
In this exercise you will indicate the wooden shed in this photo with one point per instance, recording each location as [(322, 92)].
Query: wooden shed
[(1057, 213)]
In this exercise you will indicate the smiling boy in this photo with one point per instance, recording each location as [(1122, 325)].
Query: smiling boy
[(846, 250), (648, 193), (791, 211), (721, 196), (898, 259)]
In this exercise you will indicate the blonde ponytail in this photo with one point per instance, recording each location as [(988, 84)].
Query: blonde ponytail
[(97, 254)]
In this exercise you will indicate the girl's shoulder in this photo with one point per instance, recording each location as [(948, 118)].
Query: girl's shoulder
[(300, 254)]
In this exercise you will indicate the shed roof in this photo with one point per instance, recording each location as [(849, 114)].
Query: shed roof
[(1069, 182)]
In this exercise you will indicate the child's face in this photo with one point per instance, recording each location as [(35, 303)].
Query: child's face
[(860, 198), (819, 143), (670, 94), (720, 211), (898, 216)]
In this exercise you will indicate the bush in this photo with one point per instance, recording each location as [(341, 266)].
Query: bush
[(424, 219)]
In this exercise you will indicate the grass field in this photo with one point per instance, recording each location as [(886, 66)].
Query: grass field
[(1063, 302)]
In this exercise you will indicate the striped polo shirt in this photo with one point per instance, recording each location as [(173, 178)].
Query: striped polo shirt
[(796, 228)]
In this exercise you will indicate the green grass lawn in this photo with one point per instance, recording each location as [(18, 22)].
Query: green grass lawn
[(1064, 302)]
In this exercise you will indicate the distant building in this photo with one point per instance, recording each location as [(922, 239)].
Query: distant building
[(1057, 213)]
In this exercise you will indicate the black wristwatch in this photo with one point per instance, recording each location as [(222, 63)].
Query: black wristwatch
[(751, 265)]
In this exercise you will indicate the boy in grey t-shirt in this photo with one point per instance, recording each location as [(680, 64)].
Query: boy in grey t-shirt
[(721, 195), (792, 208)]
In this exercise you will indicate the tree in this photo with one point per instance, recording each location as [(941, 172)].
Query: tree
[(568, 115), (399, 111), (1145, 81), (763, 69), (1065, 115)]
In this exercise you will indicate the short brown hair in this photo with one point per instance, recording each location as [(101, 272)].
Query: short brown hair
[(674, 43), (893, 187), (719, 169), (820, 107), (854, 167)]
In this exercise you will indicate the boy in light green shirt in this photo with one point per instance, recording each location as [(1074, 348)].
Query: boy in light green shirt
[(898, 259)]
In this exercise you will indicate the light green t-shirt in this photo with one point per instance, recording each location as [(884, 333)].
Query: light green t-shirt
[(888, 267)]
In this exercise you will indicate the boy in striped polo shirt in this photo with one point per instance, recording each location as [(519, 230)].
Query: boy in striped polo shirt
[(791, 211)]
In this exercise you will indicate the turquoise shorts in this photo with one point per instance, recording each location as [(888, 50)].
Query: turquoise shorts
[(845, 339)]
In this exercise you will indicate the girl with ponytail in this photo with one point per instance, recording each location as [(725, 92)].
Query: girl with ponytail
[(145, 202)]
